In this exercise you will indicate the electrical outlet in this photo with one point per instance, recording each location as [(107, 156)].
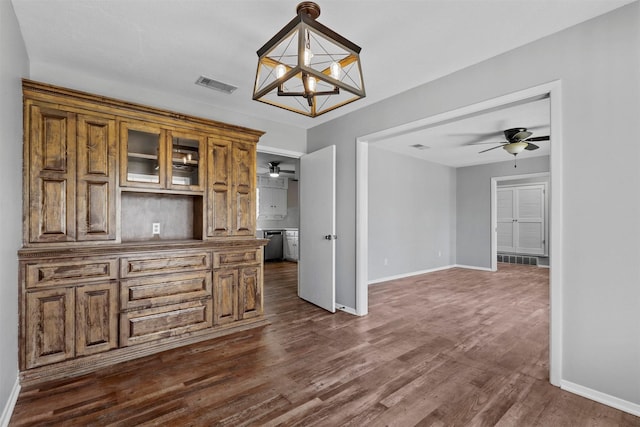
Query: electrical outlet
[(156, 228), (386, 261), (439, 253)]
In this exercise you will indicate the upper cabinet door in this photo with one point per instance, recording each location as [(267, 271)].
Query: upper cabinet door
[(185, 169), (96, 178), (219, 187), (154, 157), (142, 155), (244, 190), (52, 174)]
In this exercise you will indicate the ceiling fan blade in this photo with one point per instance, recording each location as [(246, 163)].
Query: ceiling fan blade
[(538, 138), (485, 143), (521, 136), (492, 148), (531, 146)]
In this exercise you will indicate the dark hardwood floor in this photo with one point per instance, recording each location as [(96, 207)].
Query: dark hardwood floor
[(456, 347)]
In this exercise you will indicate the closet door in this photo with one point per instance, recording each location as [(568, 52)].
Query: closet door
[(530, 220), (506, 219), (521, 219)]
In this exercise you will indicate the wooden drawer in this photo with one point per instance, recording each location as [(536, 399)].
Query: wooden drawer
[(164, 322), (70, 272), (175, 262), (147, 292), (232, 258)]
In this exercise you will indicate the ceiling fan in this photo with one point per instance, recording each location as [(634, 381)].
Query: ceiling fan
[(275, 171), (517, 140)]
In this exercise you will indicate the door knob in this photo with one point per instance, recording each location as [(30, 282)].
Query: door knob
[(330, 237)]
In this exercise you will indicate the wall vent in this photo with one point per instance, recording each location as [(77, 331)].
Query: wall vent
[(215, 84), (420, 147)]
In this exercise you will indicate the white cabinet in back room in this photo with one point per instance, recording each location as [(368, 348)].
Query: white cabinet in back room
[(291, 245), (272, 198), (273, 203)]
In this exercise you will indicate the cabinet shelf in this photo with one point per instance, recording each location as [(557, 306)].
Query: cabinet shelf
[(179, 162), (142, 156)]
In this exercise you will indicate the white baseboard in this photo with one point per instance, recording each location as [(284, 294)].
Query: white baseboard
[(413, 273), (605, 399), (11, 403), (473, 267)]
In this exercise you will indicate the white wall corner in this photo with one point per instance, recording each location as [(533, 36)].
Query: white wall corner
[(411, 274), (473, 267), (10, 404), (597, 396)]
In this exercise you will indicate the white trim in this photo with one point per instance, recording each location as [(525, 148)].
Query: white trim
[(346, 309), (554, 91), (11, 403), (473, 267), (279, 151), (597, 396), (556, 233), (362, 227), (411, 274)]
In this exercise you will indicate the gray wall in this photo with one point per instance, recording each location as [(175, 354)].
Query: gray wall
[(412, 211), (14, 64), (474, 206), (175, 213), (599, 66)]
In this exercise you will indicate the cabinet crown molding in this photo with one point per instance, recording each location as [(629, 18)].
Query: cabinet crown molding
[(38, 90)]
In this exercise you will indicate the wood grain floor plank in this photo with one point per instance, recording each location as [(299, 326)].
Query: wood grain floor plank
[(453, 347)]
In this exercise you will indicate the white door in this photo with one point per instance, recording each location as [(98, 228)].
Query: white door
[(505, 213), (521, 225), (317, 246), (530, 220)]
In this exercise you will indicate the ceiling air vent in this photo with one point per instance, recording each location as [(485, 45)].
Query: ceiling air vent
[(420, 147), (216, 85)]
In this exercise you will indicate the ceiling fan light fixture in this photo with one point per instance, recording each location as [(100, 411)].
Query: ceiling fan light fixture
[(303, 50), (515, 147), (274, 170)]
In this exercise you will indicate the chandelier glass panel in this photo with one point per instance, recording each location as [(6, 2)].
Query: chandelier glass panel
[(308, 68)]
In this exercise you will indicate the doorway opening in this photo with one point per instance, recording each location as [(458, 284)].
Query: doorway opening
[(551, 90), (514, 240), (278, 209)]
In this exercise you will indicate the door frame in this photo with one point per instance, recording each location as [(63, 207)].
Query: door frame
[(494, 211), (554, 91)]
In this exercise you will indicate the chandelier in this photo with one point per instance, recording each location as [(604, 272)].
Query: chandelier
[(308, 68)]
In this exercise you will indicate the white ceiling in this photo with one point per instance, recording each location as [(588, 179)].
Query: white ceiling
[(458, 143), (165, 45)]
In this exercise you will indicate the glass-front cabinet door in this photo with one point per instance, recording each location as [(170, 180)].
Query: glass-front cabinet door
[(155, 157), (184, 167), (141, 155)]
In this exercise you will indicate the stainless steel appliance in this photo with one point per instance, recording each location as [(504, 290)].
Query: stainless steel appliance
[(273, 249)]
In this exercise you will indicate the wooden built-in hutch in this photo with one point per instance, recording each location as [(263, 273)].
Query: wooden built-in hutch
[(138, 232)]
